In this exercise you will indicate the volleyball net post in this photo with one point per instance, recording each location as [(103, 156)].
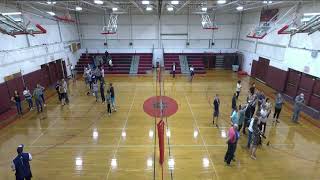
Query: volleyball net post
[(161, 123)]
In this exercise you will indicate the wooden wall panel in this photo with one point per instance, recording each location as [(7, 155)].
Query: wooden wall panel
[(5, 102), (276, 78), (254, 68)]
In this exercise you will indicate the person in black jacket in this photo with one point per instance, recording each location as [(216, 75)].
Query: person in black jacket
[(234, 102), (103, 98), (57, 87), (21, 164)]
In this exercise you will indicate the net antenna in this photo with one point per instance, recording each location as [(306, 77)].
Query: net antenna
[(207, 23), (112, 26), (268, 20), (18, 23)]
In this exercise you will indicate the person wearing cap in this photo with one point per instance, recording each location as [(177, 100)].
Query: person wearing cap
[(21, 164), (232, 140), (297, 107)]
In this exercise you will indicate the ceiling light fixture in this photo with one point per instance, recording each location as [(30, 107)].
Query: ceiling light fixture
[(149, 8), (51, 13), (98, 2), (311, 14), (170, 8), (115, 9), (240, 8), (78, 8), (145, 2), (267, 2), (51, 2), (11, 13), (204, 9), (221, 1), (174, 2)]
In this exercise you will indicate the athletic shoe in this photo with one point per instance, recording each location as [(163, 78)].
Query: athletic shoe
[(253, 157)]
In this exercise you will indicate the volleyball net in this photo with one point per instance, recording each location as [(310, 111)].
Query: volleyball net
[(160, 113)]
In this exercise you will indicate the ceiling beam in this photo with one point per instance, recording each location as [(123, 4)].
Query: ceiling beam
[(182, 6), (137, 6)]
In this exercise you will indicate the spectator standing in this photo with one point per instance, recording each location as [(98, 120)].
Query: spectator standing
[(238, 88), (17, 100), (277, 107), (299, 101), (37, 97), (27, 95), (113, 100)]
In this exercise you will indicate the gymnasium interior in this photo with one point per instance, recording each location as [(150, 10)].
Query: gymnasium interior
[(160, 126)]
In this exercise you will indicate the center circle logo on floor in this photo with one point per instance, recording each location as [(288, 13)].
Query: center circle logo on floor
[(153, 106)]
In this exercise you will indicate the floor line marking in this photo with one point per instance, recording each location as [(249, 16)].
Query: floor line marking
[(35, 140), (124, 127), (204, 143)]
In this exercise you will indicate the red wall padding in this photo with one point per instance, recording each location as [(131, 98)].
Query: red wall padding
[(254, 68), (32, 79), (276, 78), (315, 102), (306, 83), (15, 84), (4, 98), (44, 76), (316, 87), (292, 83)]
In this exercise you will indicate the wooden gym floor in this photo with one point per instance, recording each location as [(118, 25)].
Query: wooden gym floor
[(80, 141)]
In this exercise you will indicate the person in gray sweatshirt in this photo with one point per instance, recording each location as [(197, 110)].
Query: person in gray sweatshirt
[(277, 107), (299, 101), (38, 98)]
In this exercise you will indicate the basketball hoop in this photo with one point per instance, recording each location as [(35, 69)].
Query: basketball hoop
[(267, 21), (112, 26), (66, 18), (207, 23)]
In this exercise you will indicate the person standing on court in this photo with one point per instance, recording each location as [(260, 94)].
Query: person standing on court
[(234, 102), (57, 87), (241, 111), (37, 97), (95, 89), (108, 100), (65, 90), (256, 138), (277, 107), (21, 164), (216, 104), (299, 101), (174, 70), (191, 69), (17, 100), (41, 88), (27, 95), (252, 88), (238, 88), (232, 138), (234, 116), (102, 92), (247, 119), (252, 100), (112, 95), (263, 119)]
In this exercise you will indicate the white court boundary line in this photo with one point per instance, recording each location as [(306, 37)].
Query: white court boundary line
[(124, 127), (142, 146), (204, 143)]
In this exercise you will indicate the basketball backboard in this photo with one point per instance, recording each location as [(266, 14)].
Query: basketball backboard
[(207, 23), (112, 26), (17, 23)]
